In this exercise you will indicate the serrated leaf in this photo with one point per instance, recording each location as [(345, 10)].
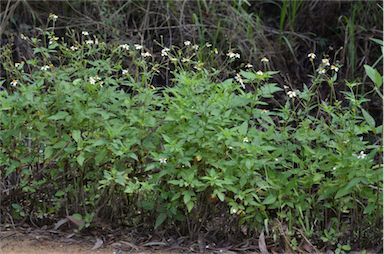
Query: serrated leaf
[(243, 128), (59, 115), (160, 219), (269, 200), (76, 135), (374, 75), (368, 118), (80, 159), (267, 90)]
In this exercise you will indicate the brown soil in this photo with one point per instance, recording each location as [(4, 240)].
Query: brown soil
[(12, 242)]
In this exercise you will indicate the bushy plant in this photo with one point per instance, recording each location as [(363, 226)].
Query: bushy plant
[(85, 132)]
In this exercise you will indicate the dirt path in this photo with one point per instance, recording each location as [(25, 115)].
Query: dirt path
[(18, 243)]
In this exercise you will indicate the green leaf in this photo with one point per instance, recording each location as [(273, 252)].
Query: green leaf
[(243, 128), (187, 197), (267, 90), (269, 200), (59, 115), (80, 159), (374, 75), (189, 206), (76, 134), (221, 196), (368, 118), (160, 219)]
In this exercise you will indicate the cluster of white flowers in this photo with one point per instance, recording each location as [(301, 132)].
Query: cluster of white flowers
[(264, 60), (291, 94), (248, 65), (208, 45), (23, 37), (325, 62), (322, 71), (45, 68), (124, 46), (89, 42), (163, 160), (146, 54), (73, 48), (260, 73), (164, 51), (231, 54), (14, 82), (311, 56), (124, 72), (240, 80), (53, 17), (195, 47), (361, 155), (187, 43), (17, 65), (245, 140), (85, 33), (93, 80), (334, 68), (138, 47)]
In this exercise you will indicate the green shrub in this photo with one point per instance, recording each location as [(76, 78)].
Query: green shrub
[(84, 133)]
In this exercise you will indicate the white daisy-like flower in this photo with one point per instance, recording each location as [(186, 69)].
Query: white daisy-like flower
[(53, 16), (245, 140), (187, 43), (45, 68), (138, 47), (146, 54), (325, 61), (195, 47), (231, 54), (291, 94), (124, 72), (322, 71), (240, 80), (248, 65), (311, 56), (259, 73), (14, 83), (73, 48), (85, 33), (361, 155), (208, 45), (163, 160), (124, 46), (335, 68), (89, 42), (164, 51), (264, 60)]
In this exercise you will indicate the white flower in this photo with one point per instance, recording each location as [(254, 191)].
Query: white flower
[(361, 155), (17, 65), (311, 56), (208, 45), (163, 160), (89, 41), (285, 87), (187, 43), (23, 37), (92, 80), (185, 60), (335, 68), (164, 51), (245, 140), (264, 60), (85, 33), (73, 48), (195, 47), (276, 159), (322, 71), (249, 65), (233, 210), (292, 94), (231, 54), (215, 51), (96, 41), (240, 80), (325, 61), (146, 54), (14, 82), (53, 16), (259, 73), (334, 168), (124, 46), (138, 47), (124, 72), (44, 68)]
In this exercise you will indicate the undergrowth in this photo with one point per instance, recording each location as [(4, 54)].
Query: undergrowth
[(86, 133)]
